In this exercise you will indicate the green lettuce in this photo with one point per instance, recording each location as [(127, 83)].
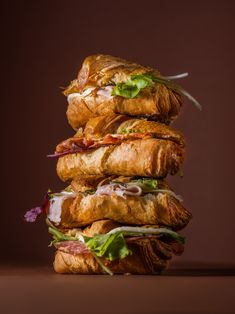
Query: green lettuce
[(146, 185), (125, 90), (136, 83), (112, 245), (59, 236), (109, 246), (133, 86), (142, 80)]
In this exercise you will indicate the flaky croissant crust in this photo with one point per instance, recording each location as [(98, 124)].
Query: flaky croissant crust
[(158, 102), (148, 157), (160, 208), (149, 256)]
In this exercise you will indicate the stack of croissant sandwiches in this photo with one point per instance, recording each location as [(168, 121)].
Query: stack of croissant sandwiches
[(117, 213)]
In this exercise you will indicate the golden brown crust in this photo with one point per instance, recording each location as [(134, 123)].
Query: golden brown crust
[(100, 227), (117, 124), (162, 104), (99, 69), (149, 256), (148, 157), (108, 124), (82, 264), (158, 102), (85, 183), (78, 113), (156, 209), (65, 263)]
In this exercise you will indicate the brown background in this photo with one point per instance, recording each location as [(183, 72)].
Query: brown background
[(43, 46)]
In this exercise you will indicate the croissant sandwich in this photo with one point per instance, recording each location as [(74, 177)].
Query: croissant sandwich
[(105, 247), (107, 85), (117, 214), (134, 147), (127, 200), (114, 225)]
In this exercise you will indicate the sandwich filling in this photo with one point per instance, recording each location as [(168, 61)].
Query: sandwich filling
[(105, 92), (131, 87), (135, 187), (80, 144), (112, 245)]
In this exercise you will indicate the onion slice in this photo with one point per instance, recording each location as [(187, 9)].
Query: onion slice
[(177, 76), (143, 230)]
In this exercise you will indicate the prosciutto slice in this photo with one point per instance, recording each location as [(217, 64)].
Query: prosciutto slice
[(82, 145)]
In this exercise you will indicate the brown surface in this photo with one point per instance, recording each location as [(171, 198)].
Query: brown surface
[(40, 290), (44, 46)]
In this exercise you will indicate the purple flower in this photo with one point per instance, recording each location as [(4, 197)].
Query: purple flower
[(32, 214)]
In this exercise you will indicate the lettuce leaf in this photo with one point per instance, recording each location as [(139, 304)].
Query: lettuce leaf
[(59, 236), (125, 90), (132, 87), (142, 80), (112, 245), (146, 185), (109, 246), (137, 82)]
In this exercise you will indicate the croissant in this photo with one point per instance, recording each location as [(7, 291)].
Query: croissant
[(134, 147), (148, 157), (90, 95), (119, 124), (150, 255), (158, 208)]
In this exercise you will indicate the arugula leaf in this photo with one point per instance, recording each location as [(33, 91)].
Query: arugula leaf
[(109, 246)]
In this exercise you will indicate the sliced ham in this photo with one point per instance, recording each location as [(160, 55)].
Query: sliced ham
[(118, 189)]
